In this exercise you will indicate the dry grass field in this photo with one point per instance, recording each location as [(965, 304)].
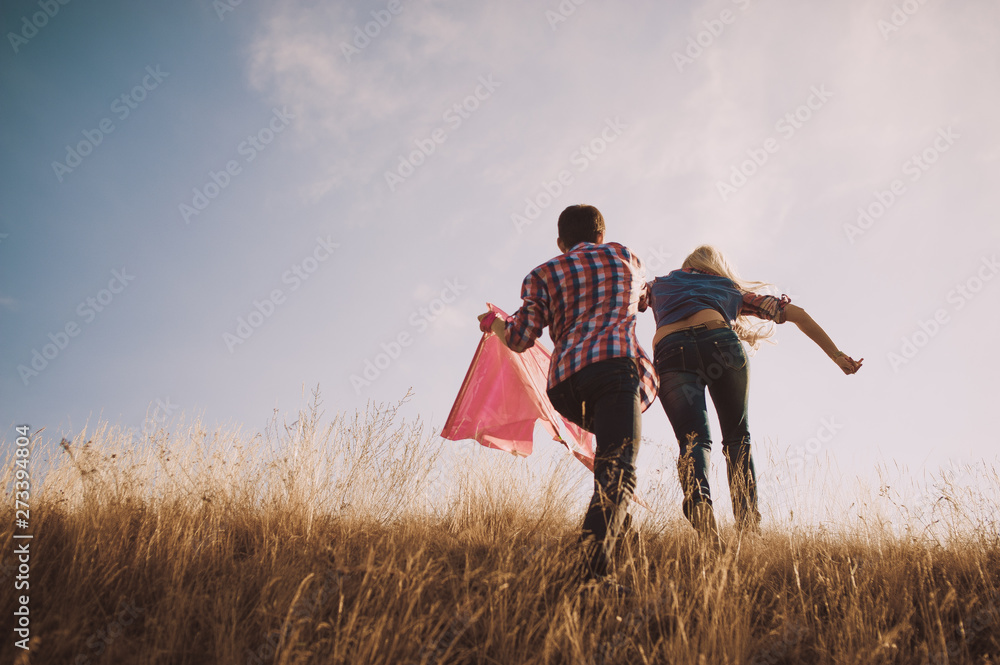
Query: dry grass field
[(341, 543)]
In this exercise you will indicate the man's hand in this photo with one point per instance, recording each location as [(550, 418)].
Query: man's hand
[(498, 328)]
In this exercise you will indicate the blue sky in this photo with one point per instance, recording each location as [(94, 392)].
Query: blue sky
[(760, 127)]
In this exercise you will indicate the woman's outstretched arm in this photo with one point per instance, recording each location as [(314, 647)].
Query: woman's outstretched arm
[(813, 331)]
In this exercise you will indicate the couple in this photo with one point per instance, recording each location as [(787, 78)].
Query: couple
[(601, 379)]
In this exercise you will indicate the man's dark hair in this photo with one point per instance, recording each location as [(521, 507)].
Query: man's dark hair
[(580, 223)]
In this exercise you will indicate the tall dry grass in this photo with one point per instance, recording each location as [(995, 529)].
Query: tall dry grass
[(355, 541)]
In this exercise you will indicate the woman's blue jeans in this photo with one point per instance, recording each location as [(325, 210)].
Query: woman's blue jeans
[(689, 361), (603, 398)]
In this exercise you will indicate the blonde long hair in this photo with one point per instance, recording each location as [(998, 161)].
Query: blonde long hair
[(709, 259)]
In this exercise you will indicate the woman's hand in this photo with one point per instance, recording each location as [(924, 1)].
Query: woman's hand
[(847, 363)]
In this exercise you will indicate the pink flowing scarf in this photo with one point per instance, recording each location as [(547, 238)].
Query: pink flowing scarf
[(503, 397)]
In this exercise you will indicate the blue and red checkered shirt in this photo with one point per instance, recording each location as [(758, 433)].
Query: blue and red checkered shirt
[(589, 299)]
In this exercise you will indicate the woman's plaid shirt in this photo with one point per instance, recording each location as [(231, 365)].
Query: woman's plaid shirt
[(589, 299)]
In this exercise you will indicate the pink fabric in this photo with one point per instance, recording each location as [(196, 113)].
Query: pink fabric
[(503, 396)]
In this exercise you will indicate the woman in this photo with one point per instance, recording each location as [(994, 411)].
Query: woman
[(702, 313)]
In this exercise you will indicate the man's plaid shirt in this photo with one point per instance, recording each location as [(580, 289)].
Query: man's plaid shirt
[(589, 299)]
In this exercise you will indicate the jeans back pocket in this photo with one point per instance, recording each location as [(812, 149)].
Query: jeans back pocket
[(677, 357), (730, 353)]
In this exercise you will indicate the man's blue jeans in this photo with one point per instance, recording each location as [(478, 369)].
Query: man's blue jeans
[(603, 398), (688, 361)]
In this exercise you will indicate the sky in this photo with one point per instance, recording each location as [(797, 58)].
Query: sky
[(207, 209)]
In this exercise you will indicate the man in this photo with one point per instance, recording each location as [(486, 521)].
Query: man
[(599, 376)]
